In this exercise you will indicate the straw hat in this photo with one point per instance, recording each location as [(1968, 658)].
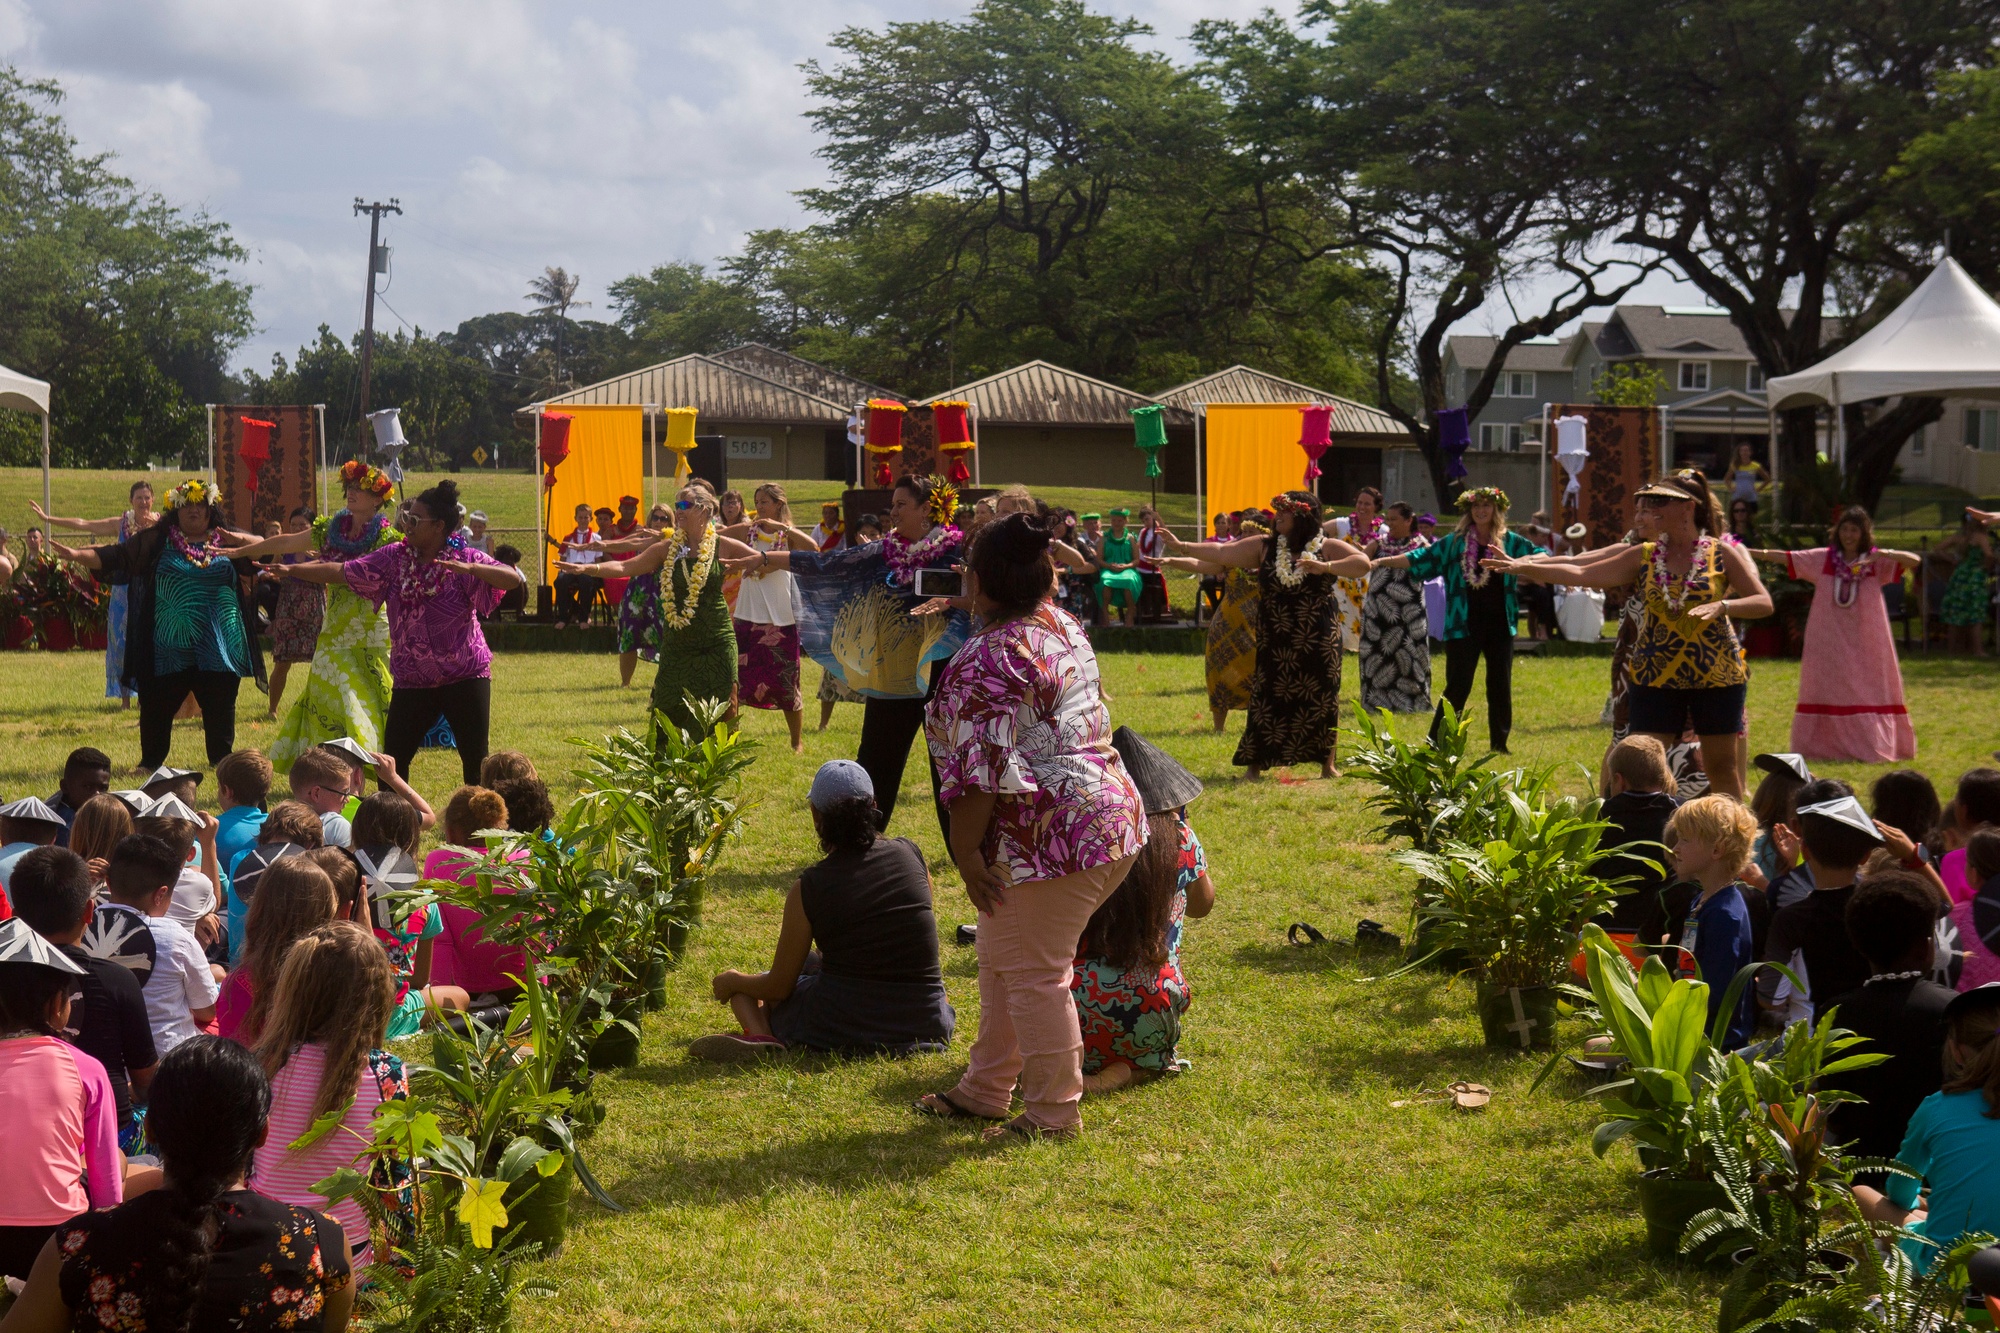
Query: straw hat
[(1163, 784)]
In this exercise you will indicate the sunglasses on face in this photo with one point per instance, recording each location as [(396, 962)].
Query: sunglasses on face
[(683, 505)]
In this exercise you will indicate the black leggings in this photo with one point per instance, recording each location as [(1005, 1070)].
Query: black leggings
[(887, 728), (1490, 636), (160, 698), (575, 594), (466, 704)]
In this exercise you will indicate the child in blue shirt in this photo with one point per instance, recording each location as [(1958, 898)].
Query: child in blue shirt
[(242, 782), (1711, 838)]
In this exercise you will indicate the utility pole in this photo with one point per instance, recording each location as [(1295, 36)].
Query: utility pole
[(378, 262)]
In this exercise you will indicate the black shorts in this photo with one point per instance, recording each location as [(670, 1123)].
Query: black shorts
[(1716, 710)]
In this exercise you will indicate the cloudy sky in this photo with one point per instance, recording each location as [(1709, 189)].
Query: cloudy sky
[(604, 137)]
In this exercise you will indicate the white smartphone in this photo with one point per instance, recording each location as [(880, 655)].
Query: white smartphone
[(939, 583)]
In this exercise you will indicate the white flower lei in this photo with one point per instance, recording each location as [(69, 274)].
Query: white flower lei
[(1283, 567), (904, 558), (680, 614)]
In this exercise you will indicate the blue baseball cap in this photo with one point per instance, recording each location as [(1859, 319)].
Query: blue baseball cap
[(840, 780)]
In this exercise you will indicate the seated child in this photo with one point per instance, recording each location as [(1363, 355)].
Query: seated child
[(322, 1048), (242, 786), (463, 957), (1711, 839), (1974, 806), (1810, 936), (386, 820), (323, 779), (1898, 1009), (101, 823), (181, 985), (1639, 799), (1980, 864), (192, 835), (58, 1116), (359, 761), (529, 809), (1773, 804), (86, 773), (1904, 799), (874, 984), (504, 765), (294, 897), (145, 1264), (52, 890), (1954, 1138), (287, 825), (184, 783), (1129, 989), (24, 825), (345, 872)]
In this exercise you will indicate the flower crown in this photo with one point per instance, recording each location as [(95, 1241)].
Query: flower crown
[(192, 491), (1491, 495), (369, 478), (943, 501)]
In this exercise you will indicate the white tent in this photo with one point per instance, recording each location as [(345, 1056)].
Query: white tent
[(1944, 338), (28, 395)]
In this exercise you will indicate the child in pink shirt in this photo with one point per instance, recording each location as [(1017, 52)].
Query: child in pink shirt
[(58, 1116)]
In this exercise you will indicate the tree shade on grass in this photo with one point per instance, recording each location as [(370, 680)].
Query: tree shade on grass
[(1272, 1187)]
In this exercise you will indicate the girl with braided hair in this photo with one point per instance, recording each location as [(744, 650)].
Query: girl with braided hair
[(201, 1251)]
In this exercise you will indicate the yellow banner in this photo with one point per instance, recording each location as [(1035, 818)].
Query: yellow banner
[(606, 460), (1251, 453)]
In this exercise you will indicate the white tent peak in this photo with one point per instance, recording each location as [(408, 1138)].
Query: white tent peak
[(20, 392), (1943, 339)]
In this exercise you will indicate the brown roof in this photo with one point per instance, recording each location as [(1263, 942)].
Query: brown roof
[(1673, 331), (1039, 394), (1241, 384), (1474, 350), (721, 392), (798, 373)]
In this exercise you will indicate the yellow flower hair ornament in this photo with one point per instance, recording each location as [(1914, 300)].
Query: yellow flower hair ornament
[(192, 491), (369, 478)]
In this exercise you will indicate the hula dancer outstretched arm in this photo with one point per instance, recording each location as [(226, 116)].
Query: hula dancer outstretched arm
[(1348, 561), (1243, 553)]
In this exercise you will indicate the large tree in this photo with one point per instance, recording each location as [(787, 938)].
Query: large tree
[(121, 301), (1758, 146), (1457, 139)]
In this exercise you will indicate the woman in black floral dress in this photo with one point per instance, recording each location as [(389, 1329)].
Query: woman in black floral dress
[(1295, 691), (203, 1251)]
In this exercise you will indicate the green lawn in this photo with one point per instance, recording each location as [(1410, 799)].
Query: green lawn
[(1273, 1187)]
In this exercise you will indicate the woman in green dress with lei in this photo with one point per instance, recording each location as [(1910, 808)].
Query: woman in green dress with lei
[(348, 691), (697, 641)]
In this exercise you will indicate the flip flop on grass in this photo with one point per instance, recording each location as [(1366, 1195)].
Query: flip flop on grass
[(734, 1048)]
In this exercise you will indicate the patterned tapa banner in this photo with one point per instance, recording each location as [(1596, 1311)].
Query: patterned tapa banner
[(1624, 455), (287, 478)]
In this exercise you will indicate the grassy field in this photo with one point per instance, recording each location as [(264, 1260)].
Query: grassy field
[(1272, 1187)]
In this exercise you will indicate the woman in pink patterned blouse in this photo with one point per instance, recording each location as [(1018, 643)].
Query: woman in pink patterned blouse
[(437, 588), (1044, 823)]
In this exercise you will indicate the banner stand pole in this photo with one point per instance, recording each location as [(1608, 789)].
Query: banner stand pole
[(209, 411), (320, 408)]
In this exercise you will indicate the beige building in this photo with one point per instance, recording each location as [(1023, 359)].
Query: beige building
[(1041, 425)]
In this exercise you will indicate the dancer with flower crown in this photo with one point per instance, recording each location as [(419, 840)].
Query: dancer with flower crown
[(855, 620), (1295, 686), (1687, 667), (1850, 682), (436, 587), (348, 691), (1481, 610), (697, 643), (187, 620)]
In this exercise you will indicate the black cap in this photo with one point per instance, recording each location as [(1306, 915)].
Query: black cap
[(1164, 785)]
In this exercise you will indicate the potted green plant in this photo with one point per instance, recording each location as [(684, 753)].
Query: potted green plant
[(1512, 908)]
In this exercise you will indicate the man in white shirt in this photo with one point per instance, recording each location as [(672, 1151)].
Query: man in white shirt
[(181, 989)]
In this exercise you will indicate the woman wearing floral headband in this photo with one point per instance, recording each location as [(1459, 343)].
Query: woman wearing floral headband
[(435, 588), (188, 610), (855, 620), (1850, 683), (1295, 686), (697, 646), (347, 693), (1482, 612), (1687, 668)]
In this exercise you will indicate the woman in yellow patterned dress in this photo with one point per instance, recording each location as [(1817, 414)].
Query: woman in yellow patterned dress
[(1232, 630), (348, 691), (1364, 525), (1687, 667)]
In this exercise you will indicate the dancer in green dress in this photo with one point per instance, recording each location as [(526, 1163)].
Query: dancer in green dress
[(1967, 604), (348, 691), (697, 641)]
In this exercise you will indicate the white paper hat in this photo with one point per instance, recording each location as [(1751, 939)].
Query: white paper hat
[(32, 808), (353, 749), (1785, 762), (136, 801), (171, 806), (1846, 811), (166, 774), (19, 944)]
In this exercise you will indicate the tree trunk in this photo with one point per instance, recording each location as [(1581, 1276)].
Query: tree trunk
[(1434, 459), (1798, 456), (1871, 453)]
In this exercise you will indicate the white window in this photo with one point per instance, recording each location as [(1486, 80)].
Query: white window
[(1694, 375), (1499, 437), (1982, 429), (1518, 384), (1753, 378)]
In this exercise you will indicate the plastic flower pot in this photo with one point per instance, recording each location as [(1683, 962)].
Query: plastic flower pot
[(656, 984), (677, 935), (1668, 1203), (58, 635), (543, 1214), (16, 632), (95, 638), (1518, 1018), (617, 1047)]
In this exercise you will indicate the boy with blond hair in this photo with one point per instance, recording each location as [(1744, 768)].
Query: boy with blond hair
[(1711, 837)]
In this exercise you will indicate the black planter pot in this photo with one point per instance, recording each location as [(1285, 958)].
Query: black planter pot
[(677, 936), (539, 1205), (1669, 1203), (617, 1047), (1518, 1018), (655, 978)]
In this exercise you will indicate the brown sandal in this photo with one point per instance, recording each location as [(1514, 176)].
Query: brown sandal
[(940, 1106)]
